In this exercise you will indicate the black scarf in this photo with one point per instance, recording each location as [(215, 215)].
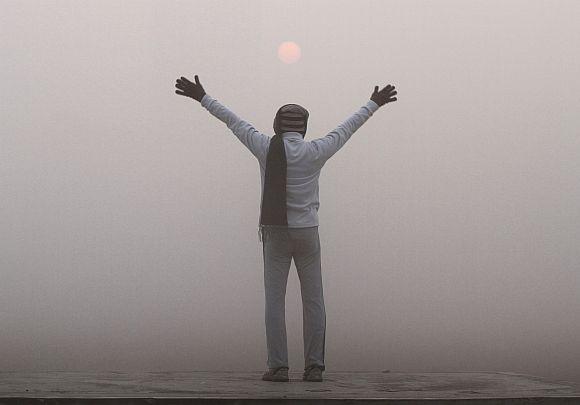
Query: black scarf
[(289, 118), (274, 198)]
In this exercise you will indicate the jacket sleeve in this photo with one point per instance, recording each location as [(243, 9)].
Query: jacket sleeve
[(323, 148), (253, 139)]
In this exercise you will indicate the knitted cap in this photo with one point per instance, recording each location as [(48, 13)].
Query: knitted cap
[(291, 118)]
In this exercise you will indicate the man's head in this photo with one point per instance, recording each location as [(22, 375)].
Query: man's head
[(291, 117)]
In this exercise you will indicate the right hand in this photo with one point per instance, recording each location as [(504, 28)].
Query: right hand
[(386, 95), (189, 89)]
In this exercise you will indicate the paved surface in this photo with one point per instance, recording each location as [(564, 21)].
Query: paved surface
[(248, 388)]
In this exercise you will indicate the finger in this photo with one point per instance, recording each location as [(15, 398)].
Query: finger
[(196, 79), (181, 93), (185, 79), (376, 89), (388, 88), (392, 99), (392, 93)]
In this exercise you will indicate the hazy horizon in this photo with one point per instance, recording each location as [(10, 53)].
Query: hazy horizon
[(449, 223)]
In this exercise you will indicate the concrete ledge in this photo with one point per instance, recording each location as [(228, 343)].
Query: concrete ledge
[(213, 387)]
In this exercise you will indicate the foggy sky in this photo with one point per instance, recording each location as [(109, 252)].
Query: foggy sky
[(449, 223)]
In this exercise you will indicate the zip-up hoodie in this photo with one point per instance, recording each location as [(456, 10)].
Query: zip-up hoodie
[(305, 159)]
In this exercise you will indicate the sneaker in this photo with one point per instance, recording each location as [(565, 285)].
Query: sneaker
[(276, 374), (313, 373)]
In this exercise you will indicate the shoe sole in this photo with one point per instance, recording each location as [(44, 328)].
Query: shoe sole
[(311, 378)]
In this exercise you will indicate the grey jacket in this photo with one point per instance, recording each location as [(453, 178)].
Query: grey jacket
[(304, 158)]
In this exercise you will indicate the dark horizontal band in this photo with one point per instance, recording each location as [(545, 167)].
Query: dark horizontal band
[(286, 118)]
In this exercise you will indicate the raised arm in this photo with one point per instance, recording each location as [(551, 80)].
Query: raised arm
[(324, 148), (253, 139)]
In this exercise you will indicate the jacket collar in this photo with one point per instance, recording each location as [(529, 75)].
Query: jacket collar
[(292, 135)]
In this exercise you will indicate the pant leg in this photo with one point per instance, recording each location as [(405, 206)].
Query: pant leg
[(308, 265), (277, 258)]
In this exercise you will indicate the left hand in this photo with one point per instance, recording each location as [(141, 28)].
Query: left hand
[(189, 89), (386, 95)]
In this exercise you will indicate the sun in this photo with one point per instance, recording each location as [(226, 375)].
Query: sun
[(289, 52)]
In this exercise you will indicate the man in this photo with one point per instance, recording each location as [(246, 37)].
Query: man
[(288, 223)]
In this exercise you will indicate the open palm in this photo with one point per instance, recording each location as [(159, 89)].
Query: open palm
[(386, 95), (190, 89)]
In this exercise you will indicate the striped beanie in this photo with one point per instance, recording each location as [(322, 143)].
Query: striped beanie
[(291, 118)]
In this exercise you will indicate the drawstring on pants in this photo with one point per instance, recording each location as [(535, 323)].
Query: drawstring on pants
[(260, 233)]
